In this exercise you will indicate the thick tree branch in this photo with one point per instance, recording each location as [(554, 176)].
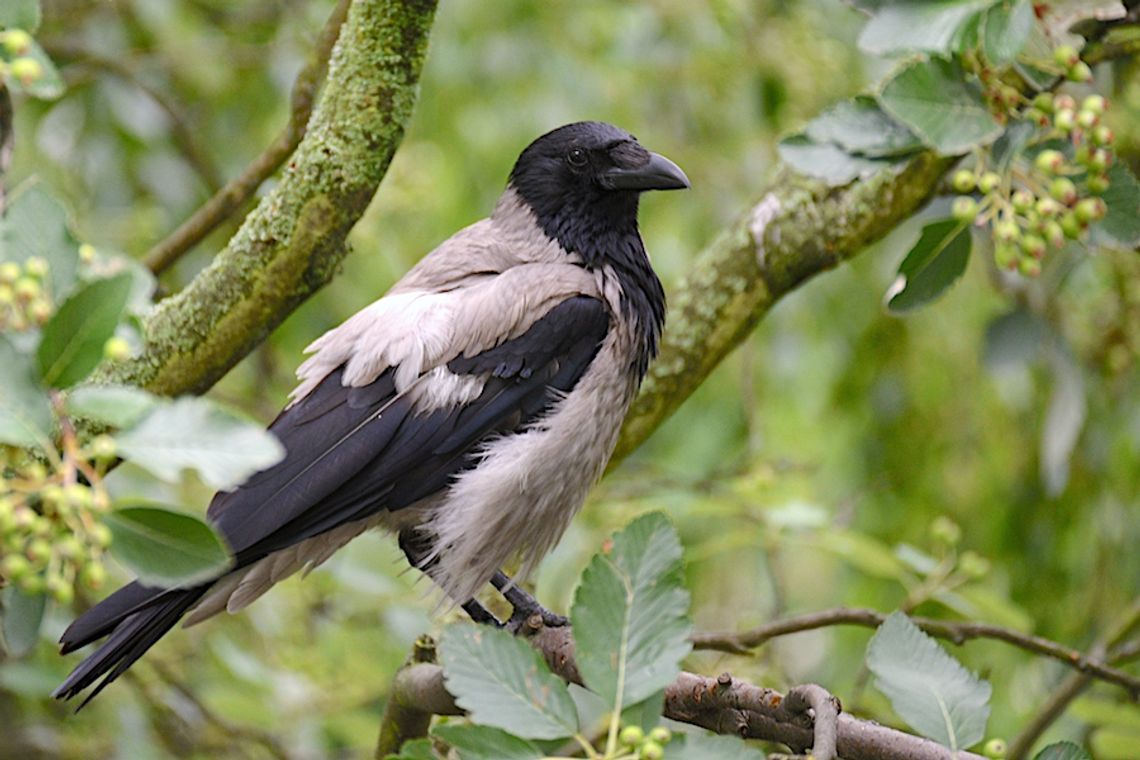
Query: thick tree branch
[(720, 704), (799, 228), (293, 242), (958, 632), (237, 191)]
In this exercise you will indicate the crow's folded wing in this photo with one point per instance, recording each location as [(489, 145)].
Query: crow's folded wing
[(354, 451)]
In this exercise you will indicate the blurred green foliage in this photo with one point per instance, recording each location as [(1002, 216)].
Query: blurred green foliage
[(835, 436)]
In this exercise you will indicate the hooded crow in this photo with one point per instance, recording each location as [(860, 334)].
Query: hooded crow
[(469, 410)]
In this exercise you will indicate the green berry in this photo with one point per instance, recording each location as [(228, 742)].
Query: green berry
[(69, 547), (116, 349), (32, 584), (1029, 267), (27, 289), (40, 311), (945, 531), (14, 567), (1037, 116), (1006, 255), (60, 590), (661, 735), (36, 266), (99, 535), (1049, 161), (9, 272), (995, 749), (1095, 103), (1087, 119), (1065, 120), (974, 565), (1064, 102), (1043, 102), (86, 253), (1090, 210), (93, 575), (27, 70), (1082, 154), (631, 736), (1007, 232), (1100, 160), (1102, 136), (1097, 183), (15, 41), (1063, 190), (1066, 55), (1054, 235), (78, 495), (23, 519), (1082, 72), (965, 208), (651, 751), (963, 181), (989, 182), (1022, 201), (38, 551), (1070, 225), (1033, 246), (103, 446)]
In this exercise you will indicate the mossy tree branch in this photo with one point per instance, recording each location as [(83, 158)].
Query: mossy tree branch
[(799, 228), (294, 240)]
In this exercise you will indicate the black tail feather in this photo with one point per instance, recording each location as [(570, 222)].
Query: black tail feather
[(136, 631)]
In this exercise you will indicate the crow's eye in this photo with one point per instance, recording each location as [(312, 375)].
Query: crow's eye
[(576, 157)]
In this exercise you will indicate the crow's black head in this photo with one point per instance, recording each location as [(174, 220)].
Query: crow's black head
[(582, 182)]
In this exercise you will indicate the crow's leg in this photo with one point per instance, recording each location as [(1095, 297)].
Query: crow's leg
[(416, 546), (525, 606)]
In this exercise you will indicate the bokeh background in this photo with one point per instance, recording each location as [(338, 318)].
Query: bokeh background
[(808, 471)]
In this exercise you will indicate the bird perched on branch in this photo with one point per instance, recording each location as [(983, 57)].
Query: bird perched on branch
[(469, 410)]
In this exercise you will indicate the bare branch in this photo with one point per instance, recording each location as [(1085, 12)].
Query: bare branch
[(240, 189), (956, 632)]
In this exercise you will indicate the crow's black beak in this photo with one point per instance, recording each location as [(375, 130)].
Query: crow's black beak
[(659, 173)]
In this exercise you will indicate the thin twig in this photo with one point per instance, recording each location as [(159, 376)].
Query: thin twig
[(238, 190), (956, 632), (824, 715)]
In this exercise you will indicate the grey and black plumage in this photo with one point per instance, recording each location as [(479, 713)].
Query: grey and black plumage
[(469, 410)]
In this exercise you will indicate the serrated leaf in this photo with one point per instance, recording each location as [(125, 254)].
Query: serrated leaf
[(936, 101), (707, 746), (36, 225), (1120, 227), (486, 743), (935, 263), (1005, 30), (195, 433), (629, 614), (118, 406), (1064, 419), (919, 26), (73, 339), (927, 687), (861, 127), (416, 749), (25, 411), (502, 682), (826, 161), (1063, 751), (23, 614), (164, 548), (20, 14)]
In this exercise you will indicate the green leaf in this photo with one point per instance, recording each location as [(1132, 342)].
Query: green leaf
[(826, 161), (918, 26), (928, 688), (707, 746), (49, 85), (36, 225), (198, 434), (1005, 30), (866, 554), (629, 614), (72, 342), (416, 749), (25, 411), (935, 263), (502, 682), (1014, 339), (118, 406), (1120, 227), (1063, 751), (23, 614), (486, 743), (1011, 143), (164, 548), (859, 126), (1064, 420), (646, 713), (20, 14), (934, 98)]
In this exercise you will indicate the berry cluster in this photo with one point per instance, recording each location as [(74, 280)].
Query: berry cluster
[(1056, 198), (50, 537), (24, 299), (643, 746), (15, 45)]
